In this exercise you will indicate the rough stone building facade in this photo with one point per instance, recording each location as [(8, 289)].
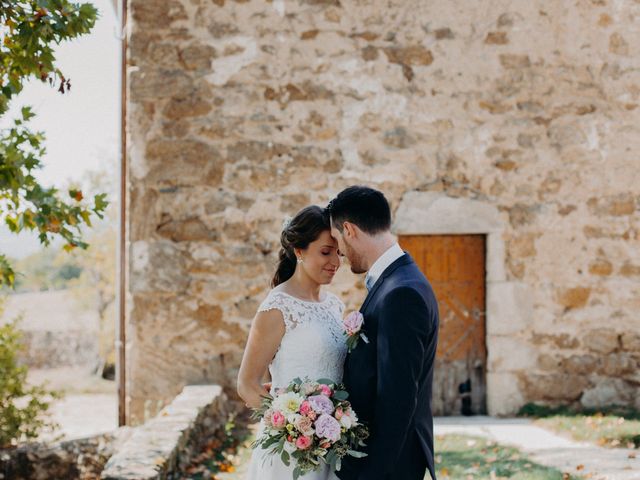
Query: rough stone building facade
[(517, 121)]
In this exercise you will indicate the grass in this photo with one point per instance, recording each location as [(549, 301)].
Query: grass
[(613, 427), (461, 457)]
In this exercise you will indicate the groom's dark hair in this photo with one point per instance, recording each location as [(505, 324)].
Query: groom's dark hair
[(365, 207)]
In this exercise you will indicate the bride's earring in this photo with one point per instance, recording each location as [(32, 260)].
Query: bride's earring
[(300, 260)]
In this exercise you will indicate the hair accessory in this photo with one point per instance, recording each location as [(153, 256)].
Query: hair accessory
[(286, 222)]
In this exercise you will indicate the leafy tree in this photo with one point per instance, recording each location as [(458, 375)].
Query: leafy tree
[(23, 408), (29, 31)]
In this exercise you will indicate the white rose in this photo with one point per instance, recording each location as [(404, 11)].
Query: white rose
[(346, 421)]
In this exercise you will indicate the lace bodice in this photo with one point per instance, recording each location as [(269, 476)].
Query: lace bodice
[(313, 344)]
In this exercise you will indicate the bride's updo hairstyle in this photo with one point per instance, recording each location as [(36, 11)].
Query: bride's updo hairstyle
[(304, 228)]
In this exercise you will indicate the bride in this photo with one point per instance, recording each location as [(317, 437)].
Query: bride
[(297, 331)]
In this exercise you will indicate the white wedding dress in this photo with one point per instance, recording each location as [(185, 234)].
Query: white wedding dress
[(313, 346)]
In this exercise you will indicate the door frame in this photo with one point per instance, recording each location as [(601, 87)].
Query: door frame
[(508, 303)]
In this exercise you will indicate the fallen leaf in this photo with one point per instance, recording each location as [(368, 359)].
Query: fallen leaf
[(580, 467)]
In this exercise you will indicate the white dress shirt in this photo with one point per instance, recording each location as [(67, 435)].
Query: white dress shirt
[(380, 265)]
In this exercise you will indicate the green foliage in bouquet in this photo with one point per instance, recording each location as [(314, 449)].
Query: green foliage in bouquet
[(22, 408)]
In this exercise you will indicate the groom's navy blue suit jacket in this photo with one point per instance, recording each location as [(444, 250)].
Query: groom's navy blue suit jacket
[(389, 379)]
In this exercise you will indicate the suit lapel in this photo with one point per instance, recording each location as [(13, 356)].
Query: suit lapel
[(403, 260)]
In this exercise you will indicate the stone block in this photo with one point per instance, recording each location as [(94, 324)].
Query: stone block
[(609, 392), (601, 340), (509, 308), (554, 387), (504, 397), (509, 354), (575, 297)]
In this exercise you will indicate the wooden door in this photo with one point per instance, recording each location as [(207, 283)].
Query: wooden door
[(455, 267)]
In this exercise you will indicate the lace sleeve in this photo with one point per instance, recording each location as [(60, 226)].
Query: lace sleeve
[(278, 302)]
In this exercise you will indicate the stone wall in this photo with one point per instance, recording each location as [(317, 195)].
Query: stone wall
[(159, 449), (78, 459), (56, 333), (241, 112)]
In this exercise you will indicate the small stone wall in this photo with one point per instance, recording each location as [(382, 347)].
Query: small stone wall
[(168, 442), (70, 460), (156, 450), (52, 349)]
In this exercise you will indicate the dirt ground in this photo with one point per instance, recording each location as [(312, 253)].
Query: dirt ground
[(89, 406)]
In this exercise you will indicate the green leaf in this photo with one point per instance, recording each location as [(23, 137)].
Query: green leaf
[(356, 454), (340, 395), (27, 113), (326, 381)]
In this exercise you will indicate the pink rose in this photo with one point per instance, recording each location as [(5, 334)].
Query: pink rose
[(352, 324), (328, 427), (325, 390), (267, 418), (302, 443), (304, 425), (305, 408), (278, 420), (338, 413)]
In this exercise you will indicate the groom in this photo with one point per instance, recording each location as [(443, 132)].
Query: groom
[(389, 379)]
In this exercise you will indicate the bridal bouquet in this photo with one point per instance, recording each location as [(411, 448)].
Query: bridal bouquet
[(311, 422)]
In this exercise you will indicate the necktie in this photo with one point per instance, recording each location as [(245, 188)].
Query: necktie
[(368, 282)]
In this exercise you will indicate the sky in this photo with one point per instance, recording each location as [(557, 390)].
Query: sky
[(82, 126)]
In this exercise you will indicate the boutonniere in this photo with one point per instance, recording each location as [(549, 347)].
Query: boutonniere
[(352, 325)]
